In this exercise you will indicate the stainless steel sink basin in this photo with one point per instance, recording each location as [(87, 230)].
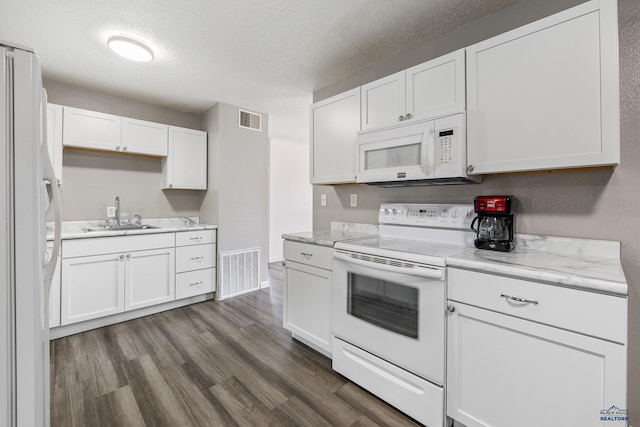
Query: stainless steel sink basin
[(123, 227)]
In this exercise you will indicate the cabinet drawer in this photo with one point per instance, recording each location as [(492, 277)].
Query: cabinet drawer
[(589, 313), (195, 283), (186, 238), (110, 245), (306, 253), (196, 257)]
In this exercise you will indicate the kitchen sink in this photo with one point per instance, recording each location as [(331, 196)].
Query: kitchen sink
[(123, 227)]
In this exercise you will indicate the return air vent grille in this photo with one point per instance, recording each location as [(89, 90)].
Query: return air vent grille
[(386, 261), (238, 273), (249, 120)]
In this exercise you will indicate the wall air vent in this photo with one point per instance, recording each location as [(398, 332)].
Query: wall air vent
[(249, 120)]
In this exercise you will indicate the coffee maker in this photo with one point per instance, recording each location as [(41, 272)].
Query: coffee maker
[(495, 223)]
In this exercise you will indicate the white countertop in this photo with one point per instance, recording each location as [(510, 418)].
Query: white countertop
[(77, 229), (339, 231), (577, 263)]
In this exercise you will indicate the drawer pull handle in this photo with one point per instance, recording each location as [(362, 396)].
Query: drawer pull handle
[(195, 283), (198, 258), (528, 301), (196, 238), (306, 254)]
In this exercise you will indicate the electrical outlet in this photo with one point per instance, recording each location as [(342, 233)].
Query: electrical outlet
[(111, 211), (354, 200), (323, 200)]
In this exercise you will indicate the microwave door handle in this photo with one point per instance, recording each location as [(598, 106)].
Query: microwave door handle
[(428, 147), (414, 271)]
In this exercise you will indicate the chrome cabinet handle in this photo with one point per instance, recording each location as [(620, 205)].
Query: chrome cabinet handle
[(198, 258), (470, 168), (196, 283), (400, 118), (306, 255), (128, 256), (451, 308), (124, 148), (196, 238), (118, 148), (408, 116), (121, 256), (526, 301)]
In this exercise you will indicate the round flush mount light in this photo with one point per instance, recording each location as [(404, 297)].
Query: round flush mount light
[(130, 48)]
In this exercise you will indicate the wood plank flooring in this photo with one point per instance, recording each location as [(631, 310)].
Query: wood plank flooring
[(228, 363)]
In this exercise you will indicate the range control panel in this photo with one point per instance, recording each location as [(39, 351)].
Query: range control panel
[(427, 215)]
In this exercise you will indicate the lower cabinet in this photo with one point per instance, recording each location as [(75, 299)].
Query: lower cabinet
[(307, 294), (510, 363), (105, 276), (195, 263)]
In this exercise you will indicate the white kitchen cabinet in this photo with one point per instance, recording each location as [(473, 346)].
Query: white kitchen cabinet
[(545, 96), (195, 263), (142, 137), (431, 89), (511, 362), (307, 294), (149, 278), (91, 130), (92, 287), (335, 123), (110, 275), (54, 138), (186, 164)]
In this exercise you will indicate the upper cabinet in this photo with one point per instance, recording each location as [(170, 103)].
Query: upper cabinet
[(186, 164), (142, 137), (546, 96), (335, 123), (106, 132), (436, 87), (90, 129), (54, 138)]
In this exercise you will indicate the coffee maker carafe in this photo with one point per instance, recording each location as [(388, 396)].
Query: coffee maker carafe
[(495, 223)]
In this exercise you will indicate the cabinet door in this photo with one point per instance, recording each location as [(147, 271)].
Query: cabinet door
[(92, 287), (142, 137), (308, 303), (501, 368), (54, 138), (186, 164), (545, 96), (90, 129), (436, 87), (335, 123), (149, 278), (383, 101)]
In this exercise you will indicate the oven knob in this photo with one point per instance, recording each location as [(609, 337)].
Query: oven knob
[(455, 213), (467, 213), (444, 214), (394, 211), (386, 211)]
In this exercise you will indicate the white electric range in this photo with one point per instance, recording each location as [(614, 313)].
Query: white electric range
[(389, 304)]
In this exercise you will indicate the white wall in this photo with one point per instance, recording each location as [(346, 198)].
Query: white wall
[(290, 204)]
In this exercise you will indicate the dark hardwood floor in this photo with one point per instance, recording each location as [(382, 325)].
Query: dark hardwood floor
[(209, 364)]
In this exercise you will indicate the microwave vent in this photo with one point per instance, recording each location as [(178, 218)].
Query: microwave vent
[(249, 120)]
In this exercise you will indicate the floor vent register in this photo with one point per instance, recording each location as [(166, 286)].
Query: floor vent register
[(239, 272)]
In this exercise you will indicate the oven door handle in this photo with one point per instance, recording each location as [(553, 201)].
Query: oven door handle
[(413, 271)]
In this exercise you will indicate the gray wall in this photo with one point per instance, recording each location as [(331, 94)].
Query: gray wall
[(92, 180), (587, 204), (238, 196)]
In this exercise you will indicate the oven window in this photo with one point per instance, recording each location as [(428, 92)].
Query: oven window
[(389, 305)]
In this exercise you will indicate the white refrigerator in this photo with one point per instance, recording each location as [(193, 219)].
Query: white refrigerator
[(28, 190)]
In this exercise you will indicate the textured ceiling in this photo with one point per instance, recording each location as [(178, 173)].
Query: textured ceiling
[(264, 55)]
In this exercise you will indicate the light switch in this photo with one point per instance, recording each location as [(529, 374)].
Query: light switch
[(354, 200), (111, 211)]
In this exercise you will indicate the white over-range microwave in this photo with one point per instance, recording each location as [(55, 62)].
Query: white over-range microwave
[(421, 152)]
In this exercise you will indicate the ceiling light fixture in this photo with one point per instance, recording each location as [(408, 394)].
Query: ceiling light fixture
[(130, 48)]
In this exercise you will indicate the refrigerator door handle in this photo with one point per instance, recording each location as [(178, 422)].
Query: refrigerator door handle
[(49, 178)]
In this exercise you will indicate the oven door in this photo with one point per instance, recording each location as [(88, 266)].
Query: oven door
[(392, 309)]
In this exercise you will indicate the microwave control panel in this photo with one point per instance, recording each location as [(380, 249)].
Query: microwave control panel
[(449, 146), (446, 152)]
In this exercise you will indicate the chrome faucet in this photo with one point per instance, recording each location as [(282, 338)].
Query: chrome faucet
[(117, 210)]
